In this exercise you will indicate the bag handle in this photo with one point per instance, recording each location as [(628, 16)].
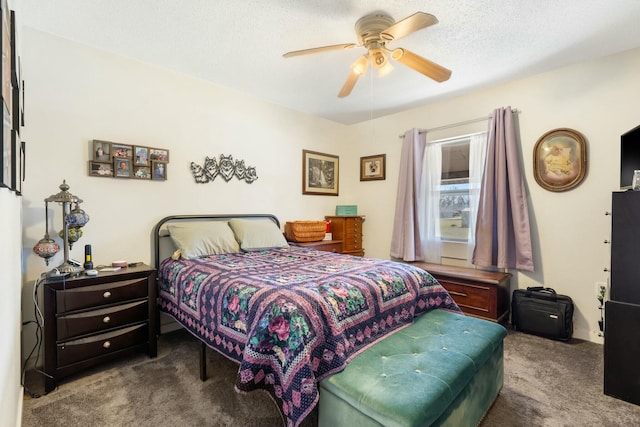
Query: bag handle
[(550, 292), (541, 289)]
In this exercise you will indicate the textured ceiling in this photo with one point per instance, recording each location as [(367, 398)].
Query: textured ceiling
[(239, 43)]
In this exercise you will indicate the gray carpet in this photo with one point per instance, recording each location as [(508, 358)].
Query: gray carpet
[(547, 383)]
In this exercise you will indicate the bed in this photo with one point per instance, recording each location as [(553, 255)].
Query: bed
[(289, 316)]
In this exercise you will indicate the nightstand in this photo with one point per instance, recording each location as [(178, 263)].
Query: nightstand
[(322, 245), (90, 320)]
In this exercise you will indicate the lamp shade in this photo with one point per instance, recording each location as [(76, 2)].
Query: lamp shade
[(46, 248), (77, 218)]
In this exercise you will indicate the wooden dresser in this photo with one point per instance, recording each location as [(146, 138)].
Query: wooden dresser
[(90, 320), (349, 230), (479, 293)]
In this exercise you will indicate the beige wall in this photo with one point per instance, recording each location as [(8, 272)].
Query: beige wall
[(600, 99), (10, 315), (76, 94)]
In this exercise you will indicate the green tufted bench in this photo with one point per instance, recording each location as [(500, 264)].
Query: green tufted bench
[(446, 369)]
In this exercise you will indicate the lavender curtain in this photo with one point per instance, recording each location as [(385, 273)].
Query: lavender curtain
[(503, 236), (406, 239)]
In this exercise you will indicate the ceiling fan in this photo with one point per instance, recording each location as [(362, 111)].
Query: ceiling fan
[(374, 32)]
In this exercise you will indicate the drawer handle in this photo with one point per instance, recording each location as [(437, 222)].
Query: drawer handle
[(106, 294), (106, 319), (106, 344), (460, 294)]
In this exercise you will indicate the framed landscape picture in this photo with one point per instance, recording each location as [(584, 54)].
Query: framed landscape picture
[(320, 173)]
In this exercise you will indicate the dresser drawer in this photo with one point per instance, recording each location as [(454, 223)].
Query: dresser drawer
[(98, 345), (352, 242), (328, 247), (353, 225), (96, 295), (87, 322), (476, 298)]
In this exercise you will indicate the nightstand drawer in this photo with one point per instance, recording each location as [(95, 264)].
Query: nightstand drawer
[(99, 345), (96, 295), (87, 322), (469, 297)]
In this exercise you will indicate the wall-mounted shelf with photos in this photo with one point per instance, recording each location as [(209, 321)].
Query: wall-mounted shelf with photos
[(115, 160)]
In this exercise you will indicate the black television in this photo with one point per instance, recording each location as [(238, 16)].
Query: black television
[(629, 156)]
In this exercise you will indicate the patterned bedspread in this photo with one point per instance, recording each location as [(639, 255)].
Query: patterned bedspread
[(291, 317)]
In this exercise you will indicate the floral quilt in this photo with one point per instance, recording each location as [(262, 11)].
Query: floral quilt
[(292, 316)]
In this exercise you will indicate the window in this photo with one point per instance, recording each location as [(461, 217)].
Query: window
[(452, 178), (454, 190)]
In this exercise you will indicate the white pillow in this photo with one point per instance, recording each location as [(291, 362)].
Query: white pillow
[(203, 238), (257, 234)]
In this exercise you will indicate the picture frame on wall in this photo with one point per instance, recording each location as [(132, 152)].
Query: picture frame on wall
[(560, 159), (320, 173), (373, 168), (158, 155), (101, 151), (142, 172), (141, 155), (101, 169), (121, 151), (6, 179), (159, 171), (7, 55), (16, 172), (122, 167)]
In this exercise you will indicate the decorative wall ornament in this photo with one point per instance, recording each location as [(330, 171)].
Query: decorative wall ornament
[(226, 169)]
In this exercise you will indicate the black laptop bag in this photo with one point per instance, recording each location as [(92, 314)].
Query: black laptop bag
[(541, 311)]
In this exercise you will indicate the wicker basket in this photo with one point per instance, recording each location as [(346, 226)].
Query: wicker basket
[(305, 231)]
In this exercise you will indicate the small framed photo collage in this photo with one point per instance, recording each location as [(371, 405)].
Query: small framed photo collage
[(115, 160)]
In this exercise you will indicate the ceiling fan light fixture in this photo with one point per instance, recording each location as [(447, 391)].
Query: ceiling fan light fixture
[(380, 62), (360, 66)]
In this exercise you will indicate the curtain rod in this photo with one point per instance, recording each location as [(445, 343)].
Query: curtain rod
[(453, 125)]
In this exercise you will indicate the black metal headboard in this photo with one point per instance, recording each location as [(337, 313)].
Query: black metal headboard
[(156, 236)]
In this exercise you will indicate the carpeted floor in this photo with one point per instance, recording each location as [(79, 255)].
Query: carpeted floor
[(547, 383)]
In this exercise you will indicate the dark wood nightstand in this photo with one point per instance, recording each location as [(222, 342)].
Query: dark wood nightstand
[(90, 320), (323, 245)]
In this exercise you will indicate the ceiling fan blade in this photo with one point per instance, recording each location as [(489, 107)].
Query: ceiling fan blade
[(319, 49), (408, 25), (421, 65), (348, 85), (358, 68)]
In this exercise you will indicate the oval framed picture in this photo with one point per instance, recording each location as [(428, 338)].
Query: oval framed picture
[(560, 159)]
